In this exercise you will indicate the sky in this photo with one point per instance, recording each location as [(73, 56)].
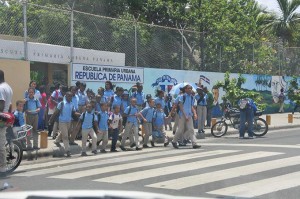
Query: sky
[(271, 5)]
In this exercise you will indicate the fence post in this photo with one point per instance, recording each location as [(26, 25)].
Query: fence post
[(181, 63), (72, 34), (135, 42), (25, 29)]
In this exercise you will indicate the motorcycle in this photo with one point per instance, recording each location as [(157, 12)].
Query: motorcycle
[(15, 147), (219, 129)]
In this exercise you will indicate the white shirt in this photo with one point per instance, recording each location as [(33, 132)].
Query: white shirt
[(115, 118), (6, 95)]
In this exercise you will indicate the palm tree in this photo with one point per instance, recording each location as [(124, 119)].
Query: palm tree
[(282, 24)]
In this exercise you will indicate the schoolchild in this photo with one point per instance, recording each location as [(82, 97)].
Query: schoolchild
[(100, 99), (32, 108), (89, 122), (131, 113), (159, 118), (102, 134), (19, 121), (147, 116), (19, 114), (64, 111), (115, 124)]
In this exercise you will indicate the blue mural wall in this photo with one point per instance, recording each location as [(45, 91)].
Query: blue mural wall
[(166, 79)]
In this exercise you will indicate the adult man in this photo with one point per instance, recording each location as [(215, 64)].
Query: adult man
[(210, 104), (247, 109), (201, 108), (5, 106), (185, 123)]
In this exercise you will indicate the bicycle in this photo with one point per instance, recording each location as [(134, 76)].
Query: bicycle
[(219, 129), (15, 147)]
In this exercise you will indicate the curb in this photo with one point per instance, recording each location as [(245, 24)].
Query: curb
[(59, 151)]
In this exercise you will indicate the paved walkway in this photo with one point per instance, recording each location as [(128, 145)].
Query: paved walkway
[(278, 121)]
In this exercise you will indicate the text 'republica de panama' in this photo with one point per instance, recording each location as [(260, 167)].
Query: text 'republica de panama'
[(96, 73)]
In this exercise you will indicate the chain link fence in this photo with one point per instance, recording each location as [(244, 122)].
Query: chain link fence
[(144, 45)]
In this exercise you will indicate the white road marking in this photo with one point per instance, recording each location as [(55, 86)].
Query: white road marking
[(150, 162), (84, 164), (144, 174), (195, 180), (261, 187)]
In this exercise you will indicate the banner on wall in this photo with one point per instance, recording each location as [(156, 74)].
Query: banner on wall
[(96, 73), (59, 54)]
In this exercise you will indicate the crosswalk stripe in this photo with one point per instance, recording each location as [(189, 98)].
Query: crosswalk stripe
[(140, 175), (261, 187), (190, 181), (88, 158), (253, 145), (118, 159), (150, 162)]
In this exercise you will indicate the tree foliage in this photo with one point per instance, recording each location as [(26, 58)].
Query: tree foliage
[(234, 92), (224, 35)]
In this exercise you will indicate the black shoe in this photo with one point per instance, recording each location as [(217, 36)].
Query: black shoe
[(175, 145), (57, 144), (114, 150), (145, 146), (103, 151), (196, 146), (174, 132), (95, 152), (36, 148), (73, 143), (122, 148), (68, 154), (138, 149), (166, 143), (84, 154), (152, 143), (132, 145)]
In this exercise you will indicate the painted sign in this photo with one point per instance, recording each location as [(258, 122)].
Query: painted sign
[(59, 54), (98, 73)]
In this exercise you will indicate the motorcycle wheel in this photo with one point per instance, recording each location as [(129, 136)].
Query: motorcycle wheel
[(219, 129), (260, 127), (14, 156)]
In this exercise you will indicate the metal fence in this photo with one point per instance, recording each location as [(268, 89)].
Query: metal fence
[(144, 45)]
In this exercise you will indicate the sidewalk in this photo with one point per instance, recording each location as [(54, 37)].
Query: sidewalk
[(278, 121)]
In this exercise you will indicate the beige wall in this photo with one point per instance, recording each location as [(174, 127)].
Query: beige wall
[(17, 75)]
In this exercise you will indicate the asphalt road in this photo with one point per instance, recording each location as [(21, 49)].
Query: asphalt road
[(225, 167)]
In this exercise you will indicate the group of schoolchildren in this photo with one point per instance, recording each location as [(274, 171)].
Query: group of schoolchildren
[(78, 112)]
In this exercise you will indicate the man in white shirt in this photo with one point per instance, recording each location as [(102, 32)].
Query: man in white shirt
[(5, 103)]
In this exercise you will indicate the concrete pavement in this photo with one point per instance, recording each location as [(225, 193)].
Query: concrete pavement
[(277, 121)]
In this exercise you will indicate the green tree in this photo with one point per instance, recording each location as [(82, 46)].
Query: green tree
[(234, 92), (283, 24)]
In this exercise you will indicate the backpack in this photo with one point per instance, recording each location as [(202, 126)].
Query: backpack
[(49, 101), (184, 97), (17, 120), (244, 103), (93, 120)]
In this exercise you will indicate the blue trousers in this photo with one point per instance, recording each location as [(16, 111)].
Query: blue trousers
[(115, 135), (246, 115)]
